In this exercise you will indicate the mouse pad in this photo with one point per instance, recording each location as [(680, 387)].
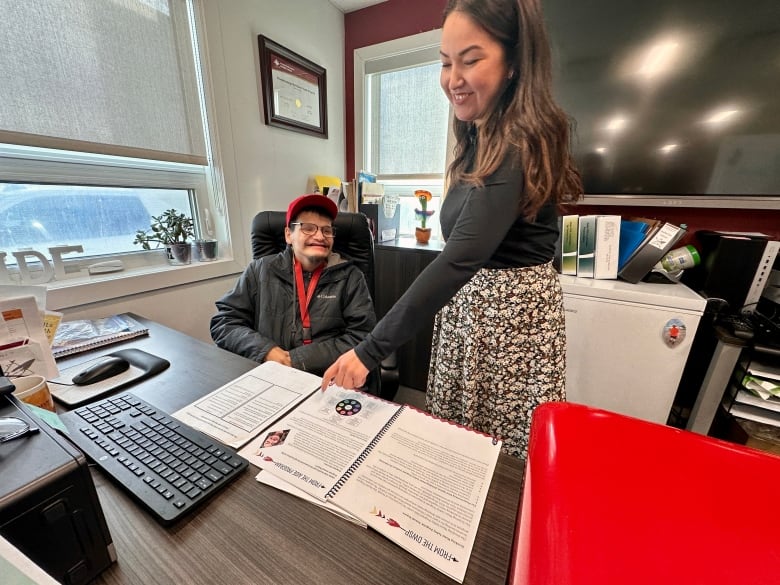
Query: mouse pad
[(142, 365)]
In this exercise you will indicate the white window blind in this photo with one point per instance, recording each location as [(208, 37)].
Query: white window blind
[(112, 77), (402, 120), (408, 116)]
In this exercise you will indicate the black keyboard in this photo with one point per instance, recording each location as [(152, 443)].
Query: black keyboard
[(168, 466)]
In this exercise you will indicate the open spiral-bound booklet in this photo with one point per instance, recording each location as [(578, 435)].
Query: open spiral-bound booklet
[(419, 480)]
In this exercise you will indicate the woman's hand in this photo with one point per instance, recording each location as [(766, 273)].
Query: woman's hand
[(347, 371)]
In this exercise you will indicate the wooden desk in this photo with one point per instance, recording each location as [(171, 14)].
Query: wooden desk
[(253, 534)]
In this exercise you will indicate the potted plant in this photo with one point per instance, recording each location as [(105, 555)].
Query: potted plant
[(170, 229), (422, 233), (206, 249)]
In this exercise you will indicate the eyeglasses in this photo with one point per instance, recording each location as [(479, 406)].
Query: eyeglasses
[(310, 229), (14, 428)]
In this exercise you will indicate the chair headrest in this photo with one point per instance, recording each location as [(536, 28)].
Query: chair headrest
[(353, 239)]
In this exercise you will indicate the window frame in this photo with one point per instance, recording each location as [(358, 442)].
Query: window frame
[(144, 271), (418, 49), (404, 52)]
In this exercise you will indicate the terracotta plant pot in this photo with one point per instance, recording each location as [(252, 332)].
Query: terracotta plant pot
[(422, 235)]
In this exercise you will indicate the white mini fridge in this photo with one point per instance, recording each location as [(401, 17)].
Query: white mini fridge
[(627, 344)]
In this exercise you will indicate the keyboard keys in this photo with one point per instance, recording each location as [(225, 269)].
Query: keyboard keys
[(167, 465)]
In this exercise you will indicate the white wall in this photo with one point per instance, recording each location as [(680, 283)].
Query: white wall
[(264, 167)]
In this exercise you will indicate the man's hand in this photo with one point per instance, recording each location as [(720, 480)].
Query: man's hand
[(279, 355), (347, 371)]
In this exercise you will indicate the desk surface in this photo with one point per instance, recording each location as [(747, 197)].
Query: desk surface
[(252, 533)]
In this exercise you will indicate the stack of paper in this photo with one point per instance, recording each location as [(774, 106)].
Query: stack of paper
[(762, 380), (24, 344)]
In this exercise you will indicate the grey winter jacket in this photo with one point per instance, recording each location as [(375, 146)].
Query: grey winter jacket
[(262, 312)]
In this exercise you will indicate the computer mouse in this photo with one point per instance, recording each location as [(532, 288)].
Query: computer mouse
[(100, 370)]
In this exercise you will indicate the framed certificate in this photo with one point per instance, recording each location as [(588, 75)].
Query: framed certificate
[(294, 90)]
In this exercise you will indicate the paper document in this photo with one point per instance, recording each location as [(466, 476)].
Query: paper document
[(275, 482), (762, 370), (236, 412), (424, 486), (419, 480), (322, 438), (24, 347), (765, 389)]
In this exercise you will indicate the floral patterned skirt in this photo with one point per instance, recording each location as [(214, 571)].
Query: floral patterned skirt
[(498, 351)]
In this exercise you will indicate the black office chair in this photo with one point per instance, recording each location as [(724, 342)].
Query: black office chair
[(353, 240)]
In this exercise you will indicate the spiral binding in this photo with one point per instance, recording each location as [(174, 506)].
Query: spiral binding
[(98, 342), (358, 462)]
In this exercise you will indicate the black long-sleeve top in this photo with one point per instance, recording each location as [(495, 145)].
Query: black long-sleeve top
[(483, 228)]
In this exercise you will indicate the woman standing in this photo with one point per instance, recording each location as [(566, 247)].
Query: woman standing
[(499, 340)]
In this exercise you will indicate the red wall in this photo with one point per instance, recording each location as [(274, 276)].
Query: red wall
[(389, 20), (400, 18)]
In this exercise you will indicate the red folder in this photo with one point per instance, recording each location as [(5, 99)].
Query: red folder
[(613, 500)]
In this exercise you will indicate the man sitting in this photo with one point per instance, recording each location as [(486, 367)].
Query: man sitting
[(303, 307)]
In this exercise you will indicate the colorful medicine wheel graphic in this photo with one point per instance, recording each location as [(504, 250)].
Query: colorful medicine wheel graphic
[(348, 407)]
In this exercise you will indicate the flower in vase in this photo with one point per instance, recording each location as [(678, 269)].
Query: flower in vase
[(423, 214)]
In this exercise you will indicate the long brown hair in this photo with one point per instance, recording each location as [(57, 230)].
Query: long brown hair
[(525, 123)]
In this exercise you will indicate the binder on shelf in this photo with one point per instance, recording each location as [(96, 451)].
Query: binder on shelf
[(569, 233), (586, 245), (606, 252), (656, 244), (351, 198), (632, 234)]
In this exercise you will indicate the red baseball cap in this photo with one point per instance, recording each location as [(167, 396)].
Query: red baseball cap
[(327, 205)]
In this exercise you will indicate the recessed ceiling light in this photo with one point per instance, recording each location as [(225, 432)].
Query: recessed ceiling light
[(616, 124), (659, 59), (720, 116)]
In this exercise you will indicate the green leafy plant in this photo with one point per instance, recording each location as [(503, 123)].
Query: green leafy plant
[(170, 227)]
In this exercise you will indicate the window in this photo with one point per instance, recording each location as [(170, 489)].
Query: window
[(401, 130), (408, 115), (102, 127), (42, 216)]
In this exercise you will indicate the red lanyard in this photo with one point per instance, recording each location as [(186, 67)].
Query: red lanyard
[(304, 298)]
